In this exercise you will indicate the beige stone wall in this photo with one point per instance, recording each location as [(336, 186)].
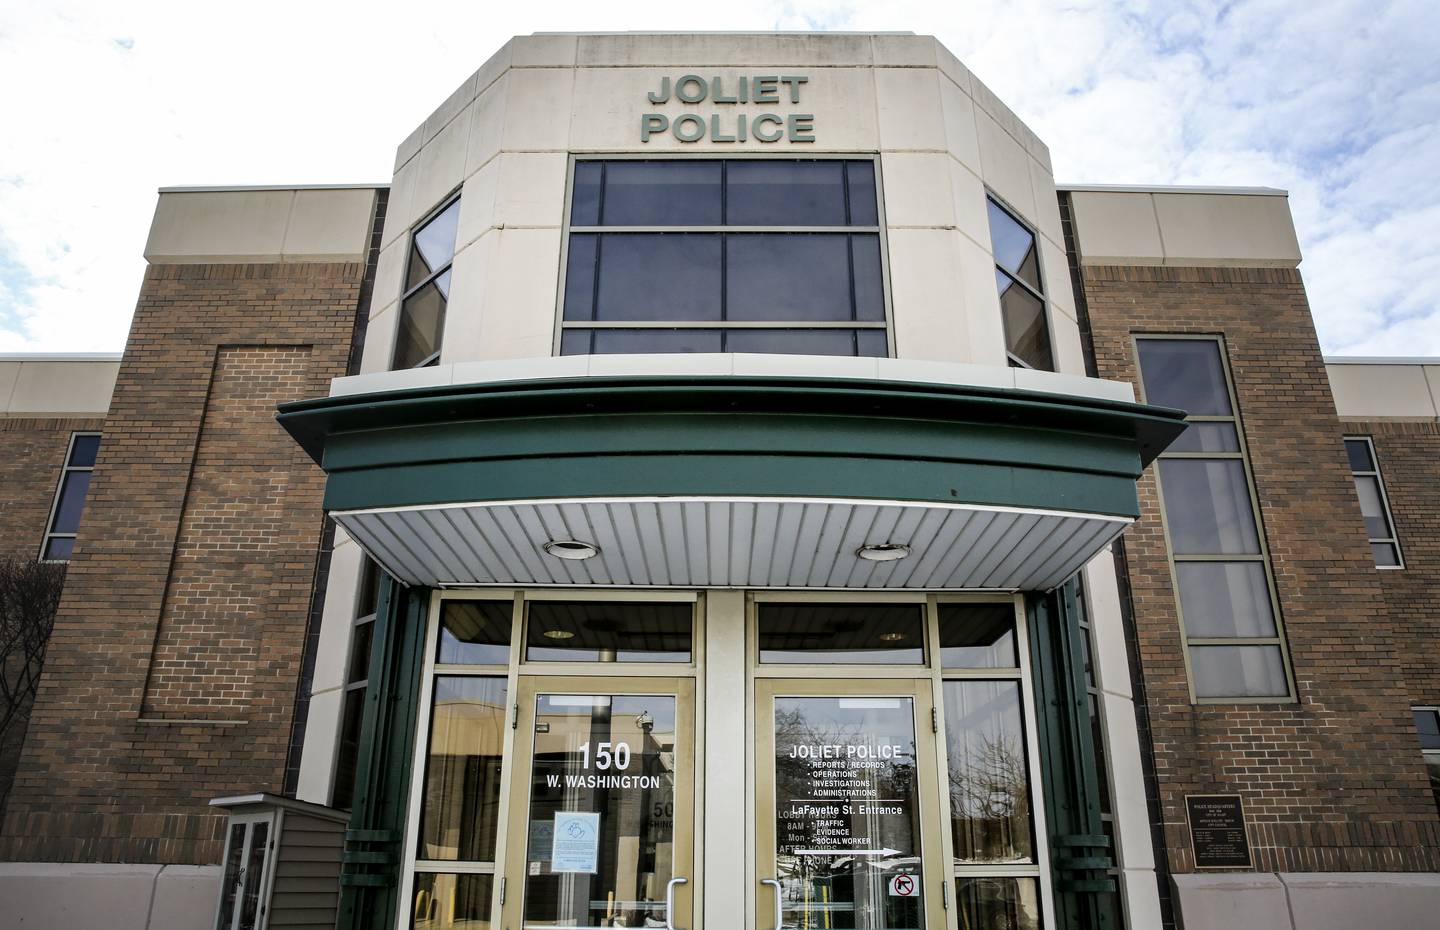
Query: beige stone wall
[(504, 138)]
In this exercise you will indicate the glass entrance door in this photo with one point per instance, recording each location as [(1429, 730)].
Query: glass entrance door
[(844, 772), (602, 824)]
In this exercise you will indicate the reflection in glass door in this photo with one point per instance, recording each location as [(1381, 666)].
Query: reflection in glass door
[(840, 826), (604, 830)]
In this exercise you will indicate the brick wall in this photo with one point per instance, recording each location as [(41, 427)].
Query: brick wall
[(1333, 782), (32, 452), (1409, 459), (173, 665)]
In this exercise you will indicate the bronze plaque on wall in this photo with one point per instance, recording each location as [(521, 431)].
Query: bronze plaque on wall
[(1217, 831)]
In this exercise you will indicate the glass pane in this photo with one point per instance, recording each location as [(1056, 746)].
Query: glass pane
[(1225, 599), (869, 289), (864, 204), (445, 901), (1372, 507), (1385, 555), (977, 636), (998, 903), (609, 631), (1427, 724), (461, 806), (662, 193), (1358, 451), (847, 817), (640, 341), (871, 343), (422, 321), (1026, 335), (1432, 765), (842, 634), (369, 596), (1014, 246), (602, 811), (233, 877), (60, 548), (1207, 507), (475, 633), (1184, 373), (585, 196), (762, 283), (1097, 739), (794, 341), (72, 502), (84, 450), (989, 777), (347, 754), (1238, 671), (1207, 437), (576, 342), (785, 193), (433, 245), (360, 652), (659, 276), (580, 277), (254, 875)]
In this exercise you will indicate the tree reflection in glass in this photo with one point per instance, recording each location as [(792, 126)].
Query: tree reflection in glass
[(846, 809), (989, 780)]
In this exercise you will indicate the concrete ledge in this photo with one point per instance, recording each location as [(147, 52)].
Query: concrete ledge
[(56, 386), (306, 224), (735, 364), (1185, 227), (1307, 900), (50, 895), (1230, 901)]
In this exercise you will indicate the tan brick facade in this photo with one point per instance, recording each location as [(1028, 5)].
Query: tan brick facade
[(1335, 781), (173, 667), (30, 472)]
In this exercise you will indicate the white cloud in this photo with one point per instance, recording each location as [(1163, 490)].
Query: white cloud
[(1334, 100)]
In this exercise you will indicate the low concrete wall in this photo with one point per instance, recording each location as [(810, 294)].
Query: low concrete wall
[(1307, 900), (53, 895)]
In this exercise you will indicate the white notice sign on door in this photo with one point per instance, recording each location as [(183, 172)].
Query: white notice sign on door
[(575, 846)]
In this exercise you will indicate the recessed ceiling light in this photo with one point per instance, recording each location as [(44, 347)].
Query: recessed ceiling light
[(892, 637), (883, 552), (559, 634), (571, 549)]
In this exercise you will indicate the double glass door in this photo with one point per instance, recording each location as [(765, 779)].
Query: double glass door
[(844, 772), (601, 821)]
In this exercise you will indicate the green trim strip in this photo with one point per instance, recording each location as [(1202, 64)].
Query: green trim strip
[(761, 437)]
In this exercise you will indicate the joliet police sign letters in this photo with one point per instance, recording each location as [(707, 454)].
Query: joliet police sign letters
[(733, 125)]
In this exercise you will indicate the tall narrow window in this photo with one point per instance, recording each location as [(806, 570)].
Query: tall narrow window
[(427, 289), (690, 255), (1374, 504), (1022, 295), (1427, 724), (1229, 615), (70, 495), (357, 681)]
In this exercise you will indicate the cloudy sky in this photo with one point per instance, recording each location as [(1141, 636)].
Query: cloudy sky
[(1337, 101)]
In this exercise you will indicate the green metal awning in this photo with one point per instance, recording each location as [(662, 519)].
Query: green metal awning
[(731, 481)]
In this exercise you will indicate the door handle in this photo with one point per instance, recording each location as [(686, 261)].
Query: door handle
[(778, 892), (670, 901)]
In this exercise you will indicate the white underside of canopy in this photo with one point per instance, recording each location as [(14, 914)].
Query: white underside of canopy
[(732, 542)]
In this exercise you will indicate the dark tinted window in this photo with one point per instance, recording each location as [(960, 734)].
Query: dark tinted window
[(84, 450), (1427, 722), (1022, 296), (659, 276), (1014, 246), (1358, 451), (842, 634), (427, 290), (72, 502), (977, 636), (1207, 507), (475, 633), (761, 282), (661, 193), (608, 631), (1184, 373), (785, 193), (1026, 331), (658, 341)]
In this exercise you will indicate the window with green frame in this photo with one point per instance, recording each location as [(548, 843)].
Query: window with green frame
[(1230, 617)]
